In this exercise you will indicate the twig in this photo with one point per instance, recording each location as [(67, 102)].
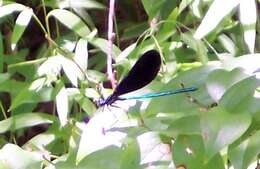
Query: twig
[(111, 36)]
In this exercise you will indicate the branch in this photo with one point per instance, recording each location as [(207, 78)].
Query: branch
[(111, 37)]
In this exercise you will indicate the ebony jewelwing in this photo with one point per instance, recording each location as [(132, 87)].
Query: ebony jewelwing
[(141, 74)]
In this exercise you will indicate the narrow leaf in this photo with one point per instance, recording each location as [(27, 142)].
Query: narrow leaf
[(24, 120), (244, 154), (15, 157), (72, 71), (20, 25), (71, 21), (88, 4), (217, 11), (62, 104), (81, 54), (10, 8), (248, 16)]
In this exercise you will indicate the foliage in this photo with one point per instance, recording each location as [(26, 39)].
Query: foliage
[(56, 85)]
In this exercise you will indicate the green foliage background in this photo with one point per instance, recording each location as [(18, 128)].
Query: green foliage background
[(52, 70)]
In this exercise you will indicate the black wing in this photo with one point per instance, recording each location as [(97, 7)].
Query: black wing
[(141, 74)]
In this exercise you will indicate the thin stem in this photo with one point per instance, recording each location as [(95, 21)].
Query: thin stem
[(3, 110), (44, 9), (46, 18), (57, 28), (164, 68), (111, 36), (40, 24), (30, 62), (117, 34)]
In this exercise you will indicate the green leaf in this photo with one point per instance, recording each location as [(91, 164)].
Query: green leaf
[(107, 158), (169, 27), (71, 21), (152, 7), (196, 45), (186, 125), (131, 156), (242, 155), (189, 151), (30, 96), (134, 30), (241, 95), (20, 25), (15, 157), (102, 44), (126, 52), (221, 128), (221, 80), (86, 104), (24, 120), (11, 86), (1, 54)]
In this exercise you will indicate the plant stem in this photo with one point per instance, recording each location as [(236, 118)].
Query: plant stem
[(111, 36)]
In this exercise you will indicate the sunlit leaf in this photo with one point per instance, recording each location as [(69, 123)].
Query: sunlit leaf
[(81, 54), (62, 105), (217, 11), (20, 25), (15, 157), (96, 133), (248, 16), (10, 8), (184, 4), (41, 140), (72, 71), (195, 7), (50, 68), (227, 43), (152, 149), (125, 53), (250, 63), (24, 120), (242, 155), (88, 4), (71, 21), (220, 80)]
